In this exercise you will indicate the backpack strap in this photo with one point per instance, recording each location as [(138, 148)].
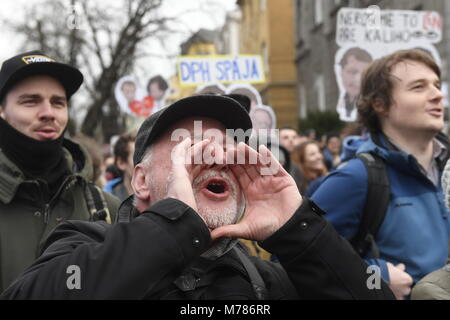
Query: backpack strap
[(96, 203), (194, 282), (377, 202), (444, 139), (259, 288)]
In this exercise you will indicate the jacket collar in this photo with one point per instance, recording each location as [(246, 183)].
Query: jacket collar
[(380, 145), (11, 177), (127, 211)]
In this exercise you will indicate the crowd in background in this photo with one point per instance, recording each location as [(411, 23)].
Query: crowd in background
[(309, 158)]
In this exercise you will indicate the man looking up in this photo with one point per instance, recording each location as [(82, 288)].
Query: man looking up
[(401, 105)]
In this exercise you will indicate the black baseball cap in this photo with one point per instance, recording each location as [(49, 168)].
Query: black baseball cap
[(243, 100), (223, 109), (36, 62)]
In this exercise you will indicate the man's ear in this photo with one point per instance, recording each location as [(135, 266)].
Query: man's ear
[(140, 185), (379, 107)]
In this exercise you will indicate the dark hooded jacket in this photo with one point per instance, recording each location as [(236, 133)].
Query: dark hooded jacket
[(159, 254), (26, 217)]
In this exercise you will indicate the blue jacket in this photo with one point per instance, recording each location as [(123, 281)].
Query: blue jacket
[(109, 186), (350, 146), (416, 228)]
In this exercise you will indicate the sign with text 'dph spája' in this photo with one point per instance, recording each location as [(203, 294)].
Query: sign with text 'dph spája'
[(197, 70)]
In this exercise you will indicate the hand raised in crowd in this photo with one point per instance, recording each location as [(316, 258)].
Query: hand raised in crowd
[(271, 199), (400, 281)]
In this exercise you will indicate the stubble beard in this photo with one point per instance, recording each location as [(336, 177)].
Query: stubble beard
[(224, 215)]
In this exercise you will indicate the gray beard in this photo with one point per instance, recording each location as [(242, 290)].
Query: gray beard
[(212, 217), (223, 245)]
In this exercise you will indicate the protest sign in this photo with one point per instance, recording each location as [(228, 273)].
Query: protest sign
[(137, 101), (198, 70), (368, 34)]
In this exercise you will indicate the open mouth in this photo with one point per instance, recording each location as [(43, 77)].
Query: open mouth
[(216, 188), (46, 133), (435, 112)]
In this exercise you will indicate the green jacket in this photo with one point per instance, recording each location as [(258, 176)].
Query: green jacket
[(26, 218), (434, 286)]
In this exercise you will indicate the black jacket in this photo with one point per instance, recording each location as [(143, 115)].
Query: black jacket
[(146, 257)]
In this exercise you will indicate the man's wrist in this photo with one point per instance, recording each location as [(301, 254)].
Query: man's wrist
[(302, 228)]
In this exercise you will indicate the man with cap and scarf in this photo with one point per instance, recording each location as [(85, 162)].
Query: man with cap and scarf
[(195, 194), (43, 176)]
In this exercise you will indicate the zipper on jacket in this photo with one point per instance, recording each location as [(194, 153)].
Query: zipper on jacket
[(67, 183), (47, 207), (47, 213)]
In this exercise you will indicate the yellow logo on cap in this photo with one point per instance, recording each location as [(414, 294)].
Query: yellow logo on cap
[(36, 58)]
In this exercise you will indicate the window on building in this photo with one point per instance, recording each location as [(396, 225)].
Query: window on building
[(265, 55), (263, 5), (303, 105), (319, 86), (304, 24), (318, 11)]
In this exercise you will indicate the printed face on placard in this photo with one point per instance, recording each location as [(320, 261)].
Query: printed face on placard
[(133, 99), (366, 34)]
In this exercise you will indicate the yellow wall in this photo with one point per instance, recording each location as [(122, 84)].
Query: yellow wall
[(273, 28)]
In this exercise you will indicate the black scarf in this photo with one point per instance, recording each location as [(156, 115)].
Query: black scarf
[(43, 160)]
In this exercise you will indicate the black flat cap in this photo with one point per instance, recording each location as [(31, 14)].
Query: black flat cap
[(36, 62)]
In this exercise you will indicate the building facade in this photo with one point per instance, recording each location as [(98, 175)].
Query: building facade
[(267, 29), (202, 43), (256, 27)]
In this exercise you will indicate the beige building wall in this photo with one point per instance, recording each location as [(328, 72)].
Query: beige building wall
[(267, 29)]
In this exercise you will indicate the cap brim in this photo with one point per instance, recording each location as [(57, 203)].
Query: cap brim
[(223, 109), (70, 77)]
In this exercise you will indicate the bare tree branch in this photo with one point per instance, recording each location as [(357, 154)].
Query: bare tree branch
[(106, 47), (91, 24)]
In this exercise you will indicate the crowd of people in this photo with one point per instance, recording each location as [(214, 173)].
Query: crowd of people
[(304, 219)]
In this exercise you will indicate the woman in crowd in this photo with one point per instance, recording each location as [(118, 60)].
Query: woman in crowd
[(312, 165)]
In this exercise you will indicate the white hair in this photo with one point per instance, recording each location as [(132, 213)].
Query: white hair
[(147, 158), (146, 161)]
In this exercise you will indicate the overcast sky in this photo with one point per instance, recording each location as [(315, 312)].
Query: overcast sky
[(10, 43), (211, 15)]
